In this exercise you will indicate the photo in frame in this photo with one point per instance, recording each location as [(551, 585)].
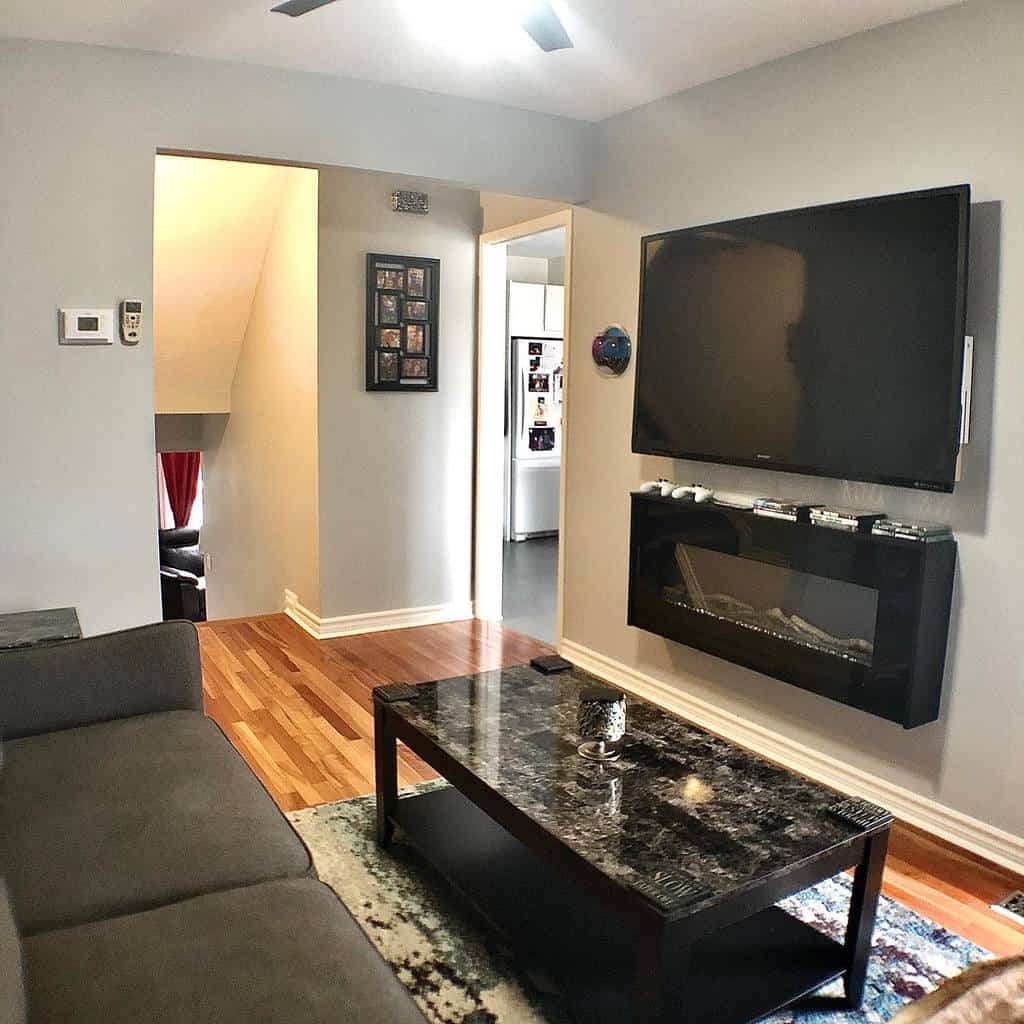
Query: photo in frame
[(416, 286), (387, 366), (414, 367), (391, 278), (416, 338), (387, 309), (402, 298)]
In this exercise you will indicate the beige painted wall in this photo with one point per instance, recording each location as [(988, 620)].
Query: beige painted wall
[(211, 226), (396, 470), (502, 211), (927, 102), (261, 479)]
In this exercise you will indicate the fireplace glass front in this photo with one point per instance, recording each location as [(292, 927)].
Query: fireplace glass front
[(826, 615)]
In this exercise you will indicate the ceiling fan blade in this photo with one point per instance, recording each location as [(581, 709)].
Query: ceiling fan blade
[(293, 8), (547, 31)]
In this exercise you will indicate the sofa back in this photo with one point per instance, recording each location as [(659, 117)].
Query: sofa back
[(134, 672), (12, 981)]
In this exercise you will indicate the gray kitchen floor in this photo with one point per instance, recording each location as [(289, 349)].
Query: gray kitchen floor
[(530, 585)]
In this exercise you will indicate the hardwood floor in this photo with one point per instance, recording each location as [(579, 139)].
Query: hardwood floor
[(299, 711), (953, 887)]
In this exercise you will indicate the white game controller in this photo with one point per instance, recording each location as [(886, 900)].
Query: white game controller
[(665, 487), (698, 492)]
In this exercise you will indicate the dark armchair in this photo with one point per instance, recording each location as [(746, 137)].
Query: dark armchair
[(182, 575)]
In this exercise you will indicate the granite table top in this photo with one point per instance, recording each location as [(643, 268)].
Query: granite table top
[(680, 805), (36, 628)]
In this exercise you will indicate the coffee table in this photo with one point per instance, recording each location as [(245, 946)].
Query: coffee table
[(646, 887)]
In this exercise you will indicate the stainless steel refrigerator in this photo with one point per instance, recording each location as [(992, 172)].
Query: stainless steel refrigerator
[(535, 436)]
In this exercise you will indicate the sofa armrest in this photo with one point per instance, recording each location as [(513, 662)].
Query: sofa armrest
[(132, 672)]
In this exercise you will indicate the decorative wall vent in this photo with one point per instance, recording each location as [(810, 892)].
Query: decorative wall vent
[(410, 202)]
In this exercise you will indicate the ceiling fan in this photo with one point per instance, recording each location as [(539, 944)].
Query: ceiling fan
[(539, 20)]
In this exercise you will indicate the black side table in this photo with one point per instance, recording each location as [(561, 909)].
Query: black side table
[(38, 628)]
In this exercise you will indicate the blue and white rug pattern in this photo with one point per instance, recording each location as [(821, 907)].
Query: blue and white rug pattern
[(459, 972)]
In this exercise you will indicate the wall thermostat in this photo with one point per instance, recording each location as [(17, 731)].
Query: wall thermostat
[(86, 326), (131, 321)]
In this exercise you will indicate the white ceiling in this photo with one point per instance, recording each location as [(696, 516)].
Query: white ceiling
[(546, 245), (627, 52)]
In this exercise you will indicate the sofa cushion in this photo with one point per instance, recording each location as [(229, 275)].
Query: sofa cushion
[(279, 952), (126, 815), (12, 986)]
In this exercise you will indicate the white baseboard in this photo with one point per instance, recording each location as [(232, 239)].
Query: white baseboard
[(937, 819), (372, 622)]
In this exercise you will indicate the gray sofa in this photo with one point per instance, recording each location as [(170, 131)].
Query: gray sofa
[(148, 874)]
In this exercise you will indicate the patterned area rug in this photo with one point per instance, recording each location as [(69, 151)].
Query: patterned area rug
[(460, 972)]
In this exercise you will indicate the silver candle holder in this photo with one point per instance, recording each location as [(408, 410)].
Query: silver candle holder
[(601, 723)]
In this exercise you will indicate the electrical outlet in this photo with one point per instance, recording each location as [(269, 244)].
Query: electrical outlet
[(207, 563)]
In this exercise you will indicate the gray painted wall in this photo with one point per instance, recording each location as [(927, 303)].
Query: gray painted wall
[(188, 432), (79, 127), (927, 102), (396, 470)]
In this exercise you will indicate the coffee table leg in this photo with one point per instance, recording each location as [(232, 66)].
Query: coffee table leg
[(385, 758), (650, 979), (867, 884)]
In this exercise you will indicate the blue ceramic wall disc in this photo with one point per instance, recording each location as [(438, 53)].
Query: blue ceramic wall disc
[(612, 350)]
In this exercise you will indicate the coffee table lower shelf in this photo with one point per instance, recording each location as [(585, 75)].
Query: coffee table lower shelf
[(734, 976)]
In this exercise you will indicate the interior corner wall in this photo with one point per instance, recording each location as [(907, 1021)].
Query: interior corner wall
[(396, 469), (79, 129), (927, 102), (261, 526)]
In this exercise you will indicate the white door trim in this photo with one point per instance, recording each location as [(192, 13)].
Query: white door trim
[(489, 483)]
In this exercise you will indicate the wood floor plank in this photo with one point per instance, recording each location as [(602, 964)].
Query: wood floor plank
[(327, 712), (342, 770), (300, 712)]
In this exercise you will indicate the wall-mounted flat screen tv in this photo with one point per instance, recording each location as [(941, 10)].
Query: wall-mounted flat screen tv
[(826, 341)]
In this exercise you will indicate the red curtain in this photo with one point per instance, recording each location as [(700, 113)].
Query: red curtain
[(181, 472)]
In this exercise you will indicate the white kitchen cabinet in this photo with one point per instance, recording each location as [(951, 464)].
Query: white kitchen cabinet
[(554, 308), (525, 308)]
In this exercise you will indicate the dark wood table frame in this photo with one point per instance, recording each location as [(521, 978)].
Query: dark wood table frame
[(662, 938)]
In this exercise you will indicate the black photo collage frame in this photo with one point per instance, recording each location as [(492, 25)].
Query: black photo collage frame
[(401, 322)]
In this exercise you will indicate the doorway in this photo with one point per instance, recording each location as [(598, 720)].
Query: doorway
[(521, 429), (235, 359), (180, 521)]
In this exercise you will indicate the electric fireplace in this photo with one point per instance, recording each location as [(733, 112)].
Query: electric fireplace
[(854, 617)]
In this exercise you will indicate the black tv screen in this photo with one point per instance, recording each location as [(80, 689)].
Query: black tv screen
[(826, 341)]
